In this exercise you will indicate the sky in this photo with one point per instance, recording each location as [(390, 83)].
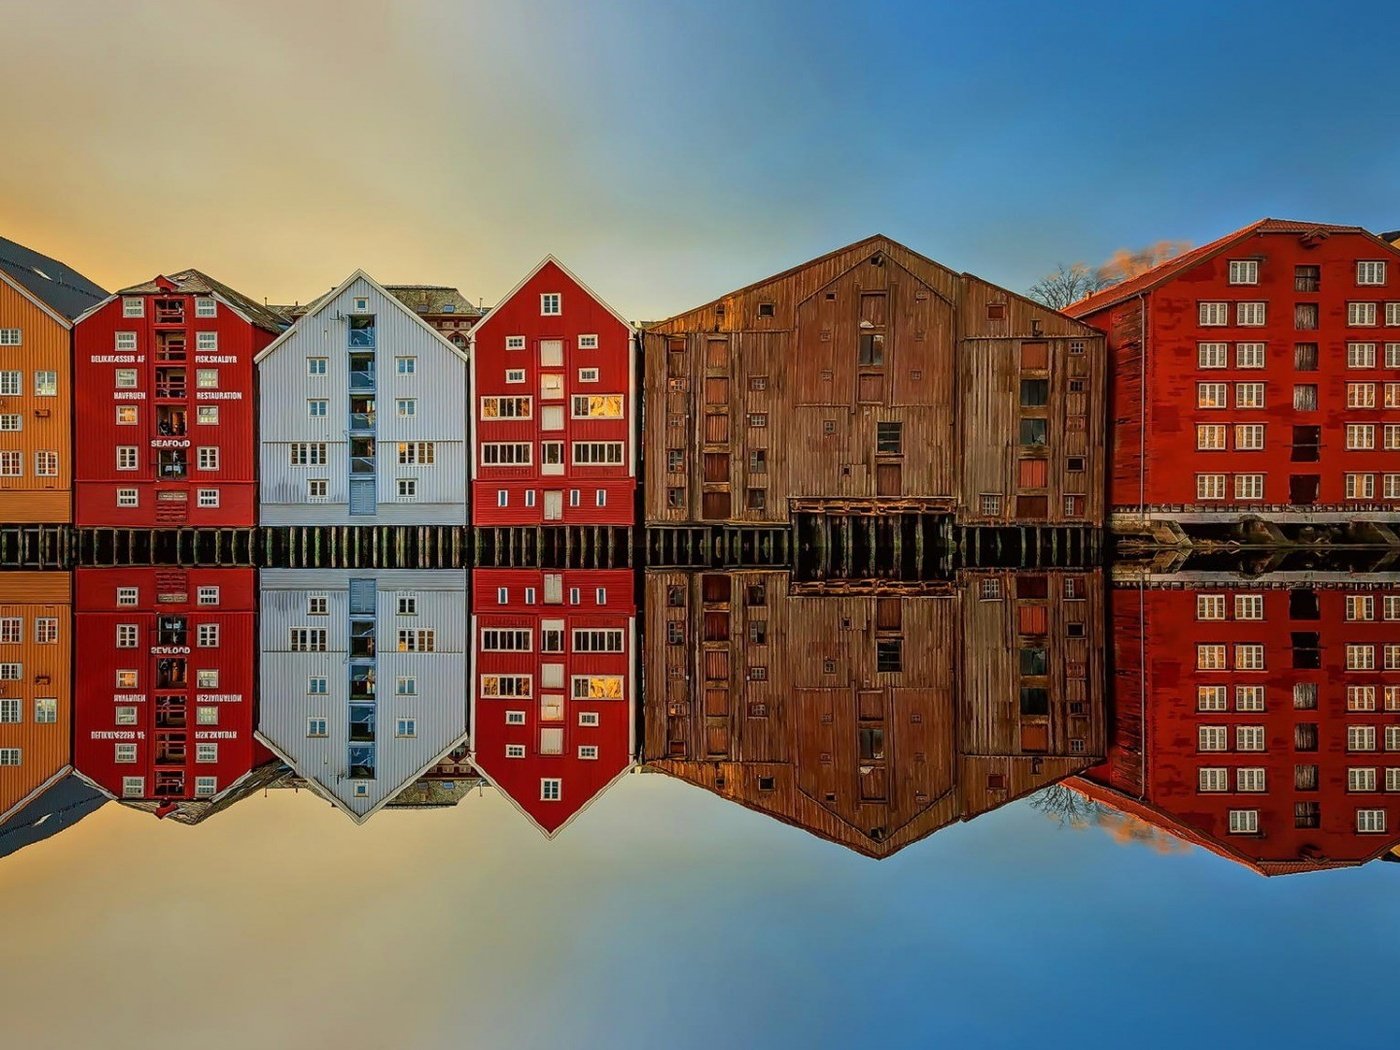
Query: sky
[(671, 150), (668, 917)]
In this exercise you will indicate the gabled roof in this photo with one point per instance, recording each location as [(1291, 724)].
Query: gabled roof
[(314, 308), (570, 812), (62, 289), (66, 800), (567, 273), (1165, 271), (434, 299), (1393, 236), (194, 282)]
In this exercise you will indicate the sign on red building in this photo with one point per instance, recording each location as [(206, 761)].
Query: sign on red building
[(553, 689), (554, 407), (164, 407)]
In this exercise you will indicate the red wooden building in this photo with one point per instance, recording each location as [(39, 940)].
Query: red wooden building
[(554, 407), (164, 409), (164, 681), (1259, 718), (1258, 375), (553, 686)]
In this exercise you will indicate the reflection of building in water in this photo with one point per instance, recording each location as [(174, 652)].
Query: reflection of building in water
[(36, 676), (164, 684), (552, 703), (362, 677), (873, 716), (1259, 717)]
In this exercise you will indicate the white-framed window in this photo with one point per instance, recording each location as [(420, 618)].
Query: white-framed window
[(360, 304), (11, 337), (551, 304), (316, 407), (126, 457), (1392, 313), (1390, 607), (127, 635), (1211, 698), (206, 378), (1249, 607), (1213, 314), (1212, 778), (412, 453), (124, 753), (1244, 271), (1212, 395), (307, 453), (588, 752), (206, 753), (1249, 486), (1249, 355), (1212, 738), (1391, 439), (45, 630), (11, 383), (208, 457), (207, 678), (1361, 355), (406, 727), (11, 711), (1210, 656), (1392, 395), (1251, 315), (1370, 821), (207, 636), (207, 715), (1361, 315), (515, 375), (597, 406), (515, 751), (1250, 778), (507, 640), (11, 421), (1361, 656), (1361, 738), (317, 604), (205, 341), (205, 306), (133, 787), (1361, 698), (317, 489), (406, 366), (125, 678), (1360, 607), (1249, 437), (316, 366), (588, 718), (507, 407), (317, 685), (406, 407), (1249, 395), (417, 640), (502, 498), (588, 375), (408, 488), (133, 306), (11, 672), (207, 415), (515, 342), (1392, 737), (507, 686), (204, 787), (1212, 437), (1249, 698), (1370, 271), (127, 596), (551, 788), (45, 464), (588, 341), (1212, 355), (1249, 738), (208, 498), (1391, 486), (1244, 822), (45, 710), (406, 603), (405, 685), (515, 718), (1392, 778), (1392, 656), (597, 640), (307, 639), (1361, 436), (127, 379), (598, 453), (506, 454), (11, 463), (1360, 486)]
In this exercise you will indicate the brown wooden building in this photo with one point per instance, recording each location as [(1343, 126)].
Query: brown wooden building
[(873, 380), (873, 714)]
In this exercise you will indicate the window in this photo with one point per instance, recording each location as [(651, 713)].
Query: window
[(207, 636), (1370, 272), (1391, 439), (1392, 313), (1361, 315), (10, 337), (1361, 698), (408, 488), (1249, 607), (1212, 778), (1210, 486), (11, 672), (1249, 395), (419, 640), (126, 457), (1361, 435), (1250, 778), (1249, 355), (597, 453), (1250, 314), (551, 304), (1249, 486), (515, 751), (11, 464), (515, 375), (1361, 395), (45, 630), (316, 407), (1369, 821), (11, 421), (125, 679), (588, 718), (1305, 397), (416, 452), (1361, 657), (10, 711), (126, 498), (1210, 698), (596, 406), (1210, 606), (506, 640), (316, 366), (406, 727), (126, 636), (1249, 437), (206, 753), (1244, 271), (208, 457), (889, 656), (205, 306), (133, 306), (307, 453), (124, 753), (1361, 355), (206, 378), (1249, 738), (207, 415), (515, 342), (406, 366), (506, 454), (1244, 822), (1360, 607), (1210, 656), (45, 464), (1212, 395), (126, 379), (1360, 486), (207, 678), (1361, 738), (1213, 314), (126, 596), (594, 640), (45, 710), (550, 789), (316, 489), (1392, 486), (307, 639), (1035, 432), (206, 341), (1212, 355), (507, 407), (1249, 698), (507, 686)]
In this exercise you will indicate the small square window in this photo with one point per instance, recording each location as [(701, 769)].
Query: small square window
[(551, 304)]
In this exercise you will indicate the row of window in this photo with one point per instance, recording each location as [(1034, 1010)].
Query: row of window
[(12, 464), (128, 678), (1369, 272), (1252, 395), (1254, 314), (1249, 656), (1249, 437), (581, 406), (406, 604), (1215, 779), (205, 595), (204, 754), (521, 639), (204, 498), (1251, 697), (317, 453), (12, 383), (135, 787), (587, 341), (1251, 738), (587, 752), (320, 366), (1305, 355), (205, 715), (1246, 821), (600, 498), (45, 710), (521, 687), (12, 630), (204, 342), (130, 415), (135, 306), (404, 408), (206, 635), (316, 639), (1251, 607), (1251, 486), (521, 454)]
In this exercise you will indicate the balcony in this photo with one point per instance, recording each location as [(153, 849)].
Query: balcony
[(170, 421), (173, 465), (168, 311), (170, 384), (362, 414), (171, 346)]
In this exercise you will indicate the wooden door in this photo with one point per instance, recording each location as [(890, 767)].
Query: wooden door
[(553, 506), (362, 496), (888, 479)]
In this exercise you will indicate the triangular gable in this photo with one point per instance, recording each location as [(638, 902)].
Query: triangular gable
[(631, 765), (486, 318)]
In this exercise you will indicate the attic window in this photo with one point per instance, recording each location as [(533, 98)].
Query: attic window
[(996, 311), (361, 304), (449, 308), (830, 296), (765, 783), (765, 309)]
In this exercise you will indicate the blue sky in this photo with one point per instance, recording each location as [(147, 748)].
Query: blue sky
[(671, 151)]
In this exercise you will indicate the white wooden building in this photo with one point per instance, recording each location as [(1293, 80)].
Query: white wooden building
[(363, 416), (363, 677)]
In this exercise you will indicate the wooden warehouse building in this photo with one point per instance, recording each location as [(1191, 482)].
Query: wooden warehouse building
[(39, 298), (873, 714), (1259, 716), (1256, 377), (873, 381)]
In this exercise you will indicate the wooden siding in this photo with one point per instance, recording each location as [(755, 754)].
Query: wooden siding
[(46, 671), (770, 399), (46, 422), (776, 699)]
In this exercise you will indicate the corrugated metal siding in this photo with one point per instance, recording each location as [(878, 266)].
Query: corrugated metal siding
[(439, 385), (45, 345), (440, 706), (46, 749)]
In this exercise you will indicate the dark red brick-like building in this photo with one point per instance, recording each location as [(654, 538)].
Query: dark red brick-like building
[(164, 681), (1256, 376), (1259, 718), (554, 407), (164, 410)]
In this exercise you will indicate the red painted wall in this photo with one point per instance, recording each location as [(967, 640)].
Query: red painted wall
[(519, 315), (1171, 457), (1156, 720), (164, 592), (583, 779), (96, 362)]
